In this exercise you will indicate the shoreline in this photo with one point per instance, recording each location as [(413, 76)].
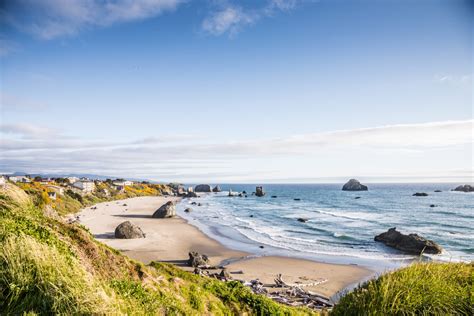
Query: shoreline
[(170, 240)]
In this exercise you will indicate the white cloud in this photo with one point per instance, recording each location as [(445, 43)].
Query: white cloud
[(453, 79), (38, 149), (230, 18), (48, 19)]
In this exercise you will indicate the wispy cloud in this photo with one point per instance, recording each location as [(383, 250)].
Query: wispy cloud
[(48, 19), (10, 102), (231, 18), (39, 149), (453, 79)]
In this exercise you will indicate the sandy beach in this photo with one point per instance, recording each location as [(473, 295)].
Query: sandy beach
[(170, 240)]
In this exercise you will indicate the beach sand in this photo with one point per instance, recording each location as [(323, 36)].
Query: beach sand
[(170, 240)]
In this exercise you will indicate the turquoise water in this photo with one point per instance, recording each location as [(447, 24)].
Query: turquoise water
[(340, 228)]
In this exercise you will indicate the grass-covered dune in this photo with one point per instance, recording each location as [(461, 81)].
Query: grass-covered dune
[(420, 289), (50, 267)]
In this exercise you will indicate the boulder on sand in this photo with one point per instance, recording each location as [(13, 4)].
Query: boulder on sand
[(166, 210), (259, 191), (127, 230), (196, 259), (354, 185), (464, 188), (202, 188), (216, 189), (412, 243)]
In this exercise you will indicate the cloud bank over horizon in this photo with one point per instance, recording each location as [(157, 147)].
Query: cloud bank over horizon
[(39, 149)]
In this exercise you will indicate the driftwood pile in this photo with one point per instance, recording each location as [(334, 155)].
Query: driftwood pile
[(291, 294)]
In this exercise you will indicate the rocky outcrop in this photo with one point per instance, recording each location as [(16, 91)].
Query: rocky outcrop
[(464, 188), (166, 210), (216, 189), (354, 185), (202, 188), (191, 195), (412, 243), (188, 210), (302, 220), (196, 259), (438, 191), (259, 191), (127, 230), (420, 194)]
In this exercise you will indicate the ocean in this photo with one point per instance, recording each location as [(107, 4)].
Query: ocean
[(340, 228)]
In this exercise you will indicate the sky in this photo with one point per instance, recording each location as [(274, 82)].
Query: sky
[(238, 91)]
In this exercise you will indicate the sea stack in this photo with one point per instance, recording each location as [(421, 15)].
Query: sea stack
[(259, 191), (464, 188), (354, 185), (203, 188), (216, 189), (412, 243)]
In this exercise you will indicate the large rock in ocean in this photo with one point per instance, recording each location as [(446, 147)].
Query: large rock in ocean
[(191, 195), (127, 230), (412, 243), (259, 191), (354, 185), (216, 189), (464, 188), (202, 188), (166, 210)]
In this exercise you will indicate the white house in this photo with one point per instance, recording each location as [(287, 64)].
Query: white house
[(55, 188), (85, 186), (52, 195), (19, 179), (123, 183), (2, 182)]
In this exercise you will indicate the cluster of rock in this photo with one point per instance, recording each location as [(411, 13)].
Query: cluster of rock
[(216, 189), (197, 260), (411, 243), (128, 230), (354, 185), (464, 188), (420, 194), (167, 210)]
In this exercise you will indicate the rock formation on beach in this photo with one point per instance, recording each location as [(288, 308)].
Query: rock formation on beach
[(464, 188), (259, 191), (354, 185), (420, 194), (411, 243), (191, 195), (203, 188), (127, 230), (216, 189), (166, 210), (196, 259)]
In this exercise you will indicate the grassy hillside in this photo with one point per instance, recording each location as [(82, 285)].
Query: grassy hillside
[(420, 289), (48, 266)]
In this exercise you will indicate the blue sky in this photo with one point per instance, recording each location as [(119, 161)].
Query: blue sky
[(229, 91)]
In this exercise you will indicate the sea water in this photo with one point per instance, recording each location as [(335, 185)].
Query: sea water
[(340, 226)]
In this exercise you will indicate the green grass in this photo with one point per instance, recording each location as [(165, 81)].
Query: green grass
[(419, 289), (50, 267)]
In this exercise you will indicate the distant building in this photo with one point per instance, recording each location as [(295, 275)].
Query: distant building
[(85, 186), (23, 179), (72, 180), (52, 195), (122, 183), (55, 188)]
